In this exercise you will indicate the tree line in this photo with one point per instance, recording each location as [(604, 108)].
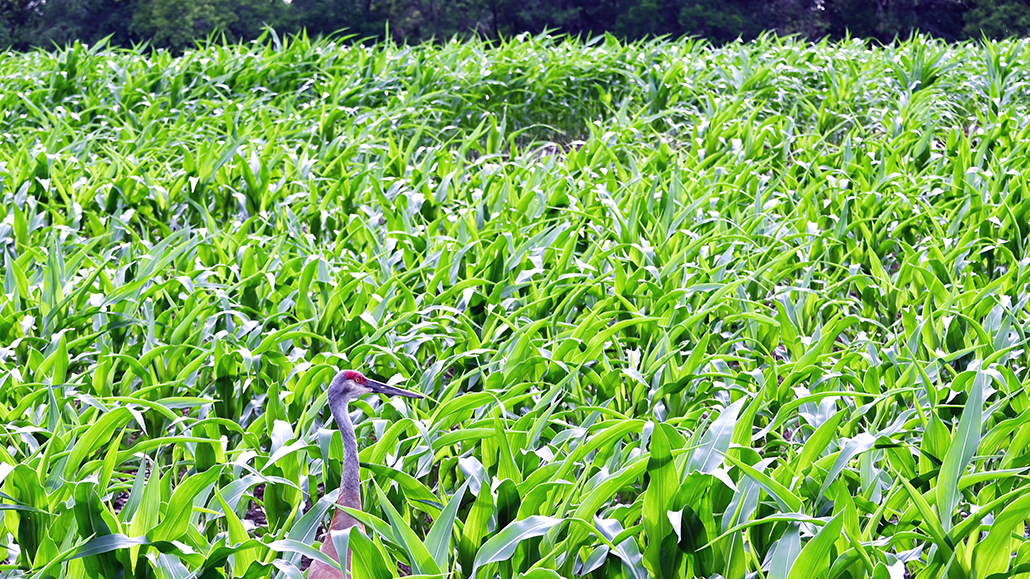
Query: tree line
[(179, 24)]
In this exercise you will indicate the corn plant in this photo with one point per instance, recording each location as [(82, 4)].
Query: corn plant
[(677, 310)]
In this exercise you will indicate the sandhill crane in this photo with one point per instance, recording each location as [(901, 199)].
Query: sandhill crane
[(346, 385)]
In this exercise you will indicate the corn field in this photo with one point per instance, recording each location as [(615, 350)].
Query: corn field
[(752, 311)]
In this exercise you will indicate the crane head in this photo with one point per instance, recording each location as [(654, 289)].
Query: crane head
[(350, 384)]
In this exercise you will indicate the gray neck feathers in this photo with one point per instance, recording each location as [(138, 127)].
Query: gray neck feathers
[(350, 483)]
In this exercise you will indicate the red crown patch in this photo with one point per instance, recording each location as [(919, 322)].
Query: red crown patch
[(355, 376)]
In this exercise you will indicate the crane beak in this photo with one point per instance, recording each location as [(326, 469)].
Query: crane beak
[(381, 388)]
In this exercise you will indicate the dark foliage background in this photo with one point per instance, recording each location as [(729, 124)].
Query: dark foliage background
[(179, 24)]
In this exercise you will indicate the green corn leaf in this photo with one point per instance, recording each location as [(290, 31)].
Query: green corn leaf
[(814, 558), (502, 545), (422, 561), (237, 534), (962, 449), (716, 441), (786, 499), (658, 501), (438, 541), (176, 517), (993, 554), (367, 560)]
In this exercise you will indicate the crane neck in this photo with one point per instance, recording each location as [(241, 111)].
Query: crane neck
[(350, 481)]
